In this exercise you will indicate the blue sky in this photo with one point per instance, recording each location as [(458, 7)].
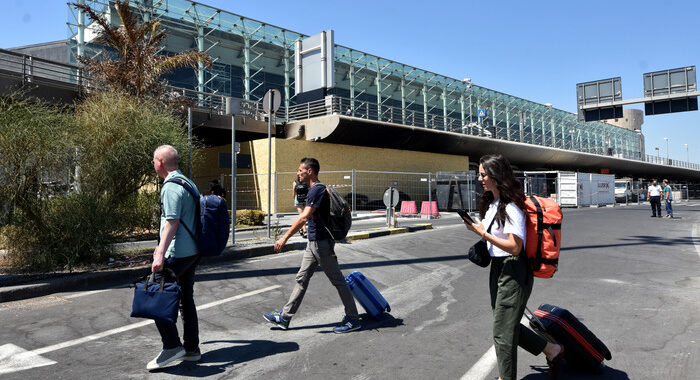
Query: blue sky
[(537, 50)]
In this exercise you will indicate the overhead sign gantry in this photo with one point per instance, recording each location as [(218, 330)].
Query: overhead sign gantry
[(665, 91)]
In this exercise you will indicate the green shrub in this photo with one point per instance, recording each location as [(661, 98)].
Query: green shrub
[(111, 138), (77, 229), (250, 217), (118, 135), (140, 211)]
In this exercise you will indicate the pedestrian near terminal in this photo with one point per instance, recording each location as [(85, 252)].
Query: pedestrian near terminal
[(668, 198), (176, 250), (654, 196), (216, 189), (320, 250), (510, 278), (300, 190)]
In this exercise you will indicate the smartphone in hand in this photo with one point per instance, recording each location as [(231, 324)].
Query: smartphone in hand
[(465, 216)]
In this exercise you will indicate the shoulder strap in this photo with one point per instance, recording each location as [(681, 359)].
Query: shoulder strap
[(488, 230), (195, 197)]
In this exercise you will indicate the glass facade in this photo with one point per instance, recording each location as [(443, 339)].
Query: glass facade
[(251, 57)]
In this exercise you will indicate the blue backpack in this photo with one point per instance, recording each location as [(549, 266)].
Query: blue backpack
[(213, 227)]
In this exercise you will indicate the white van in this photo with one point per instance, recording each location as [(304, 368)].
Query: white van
[(623, 191)]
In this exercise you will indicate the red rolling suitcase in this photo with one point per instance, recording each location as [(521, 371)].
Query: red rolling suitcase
[(582, 349)]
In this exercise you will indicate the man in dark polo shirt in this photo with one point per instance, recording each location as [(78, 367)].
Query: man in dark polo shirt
[(318, 251)]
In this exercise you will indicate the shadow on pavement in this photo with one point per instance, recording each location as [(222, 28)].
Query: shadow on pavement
[(295, 269), (368, 323), (217, 361), (608, 373), (639, 240)]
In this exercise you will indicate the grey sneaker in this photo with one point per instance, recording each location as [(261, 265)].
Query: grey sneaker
[(192, 356), (166, 357), (277, 319), (347, 325)]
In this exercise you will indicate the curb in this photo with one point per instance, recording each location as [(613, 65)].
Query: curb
[(382, 231), (96, 280)]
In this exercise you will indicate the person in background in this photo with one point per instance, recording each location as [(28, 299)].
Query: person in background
[(300, 189), (216, 189), (668, 198), (654, 196), (510, 278)]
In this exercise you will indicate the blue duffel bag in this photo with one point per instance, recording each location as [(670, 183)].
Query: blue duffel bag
[(157, 300)]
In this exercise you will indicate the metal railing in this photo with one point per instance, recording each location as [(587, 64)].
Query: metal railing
[(33, 70)]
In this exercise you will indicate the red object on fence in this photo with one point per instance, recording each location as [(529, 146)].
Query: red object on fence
[(408, 208), (425, 209)]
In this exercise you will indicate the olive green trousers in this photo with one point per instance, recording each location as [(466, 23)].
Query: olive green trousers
[(510, 284)]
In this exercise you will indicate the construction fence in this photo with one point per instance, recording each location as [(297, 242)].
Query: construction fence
[(364, 189)]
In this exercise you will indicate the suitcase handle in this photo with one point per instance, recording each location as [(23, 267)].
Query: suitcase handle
[(532, 319)]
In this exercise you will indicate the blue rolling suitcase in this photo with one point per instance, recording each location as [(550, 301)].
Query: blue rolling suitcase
[(367, 295)]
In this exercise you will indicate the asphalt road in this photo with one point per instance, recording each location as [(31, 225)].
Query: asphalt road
[(634, 281)]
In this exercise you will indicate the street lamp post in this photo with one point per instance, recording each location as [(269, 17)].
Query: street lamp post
[(666, 138), (687, 155), (658, 159)]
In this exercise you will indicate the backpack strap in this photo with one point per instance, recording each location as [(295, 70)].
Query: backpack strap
[(195, 196)]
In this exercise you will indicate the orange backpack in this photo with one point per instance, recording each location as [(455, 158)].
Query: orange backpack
[(543, 225)]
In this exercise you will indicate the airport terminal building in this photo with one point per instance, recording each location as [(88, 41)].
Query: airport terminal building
[(372, 113)]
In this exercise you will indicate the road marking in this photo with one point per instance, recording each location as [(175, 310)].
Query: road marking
[(82, 294), (614, 281), (16, 359), (483, 367), (696, 237)]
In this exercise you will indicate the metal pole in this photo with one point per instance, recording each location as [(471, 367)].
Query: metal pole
[(189, 142), (430, 196), (269, 164), (354, 192), (233, 179)]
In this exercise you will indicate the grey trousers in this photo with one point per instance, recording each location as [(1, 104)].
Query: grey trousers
[(510, 283), (320, 252)]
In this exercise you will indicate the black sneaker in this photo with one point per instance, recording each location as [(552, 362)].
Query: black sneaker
[(192, 356), (166, 357), (347, 325)]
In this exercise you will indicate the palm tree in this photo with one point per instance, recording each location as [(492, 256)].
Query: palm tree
[(138, 67)]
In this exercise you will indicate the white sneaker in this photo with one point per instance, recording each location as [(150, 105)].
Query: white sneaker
[(166, 357)]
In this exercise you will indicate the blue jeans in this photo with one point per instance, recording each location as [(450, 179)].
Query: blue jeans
[(669, 208), (184, 270)]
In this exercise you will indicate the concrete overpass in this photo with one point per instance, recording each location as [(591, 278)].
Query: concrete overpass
[(341, 129)]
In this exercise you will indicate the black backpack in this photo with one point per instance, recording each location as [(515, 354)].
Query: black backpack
[(340, 216)]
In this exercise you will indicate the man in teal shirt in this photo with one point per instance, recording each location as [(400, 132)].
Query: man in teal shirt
[(177, 251), (668, 197)]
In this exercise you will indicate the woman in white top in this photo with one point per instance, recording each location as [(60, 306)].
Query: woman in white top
[(510, 279)]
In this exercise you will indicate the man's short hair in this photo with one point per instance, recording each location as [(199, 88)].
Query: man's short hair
[(311, 163), (168, 154), (665, 181)]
